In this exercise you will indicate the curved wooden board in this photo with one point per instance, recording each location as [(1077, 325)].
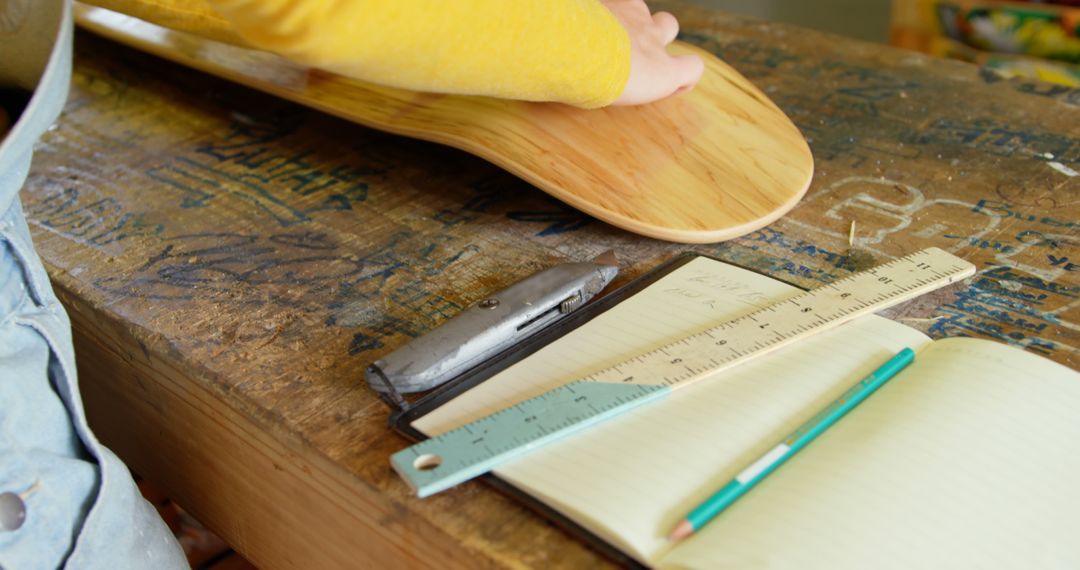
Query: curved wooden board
[(712, 164)]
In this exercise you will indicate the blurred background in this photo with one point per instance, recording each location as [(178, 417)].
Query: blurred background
[(1034, 39)]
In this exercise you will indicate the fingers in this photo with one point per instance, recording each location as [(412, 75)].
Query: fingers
[(687, 70), (654, 73), (667, 26), (683, 73)]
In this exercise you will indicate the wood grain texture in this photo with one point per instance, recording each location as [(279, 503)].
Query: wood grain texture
[(709, 165), (233, 261)]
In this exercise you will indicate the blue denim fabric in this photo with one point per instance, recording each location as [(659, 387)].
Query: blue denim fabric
[(82, 508)]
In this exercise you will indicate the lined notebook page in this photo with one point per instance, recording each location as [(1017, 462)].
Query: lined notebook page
[(970, 458), (632, 478)]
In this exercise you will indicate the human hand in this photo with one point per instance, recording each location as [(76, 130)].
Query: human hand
[(654, 74)]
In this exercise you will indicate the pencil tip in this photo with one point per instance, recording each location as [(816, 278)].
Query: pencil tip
[(682, 530)]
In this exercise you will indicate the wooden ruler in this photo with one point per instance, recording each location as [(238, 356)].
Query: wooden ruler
[(476, 448)]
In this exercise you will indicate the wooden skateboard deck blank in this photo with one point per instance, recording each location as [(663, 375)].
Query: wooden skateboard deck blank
[(704, 166)]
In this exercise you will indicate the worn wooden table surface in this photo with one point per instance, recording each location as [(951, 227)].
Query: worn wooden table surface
[(232, 262)]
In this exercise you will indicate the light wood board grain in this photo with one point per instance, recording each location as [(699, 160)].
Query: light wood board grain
[(706, 166)]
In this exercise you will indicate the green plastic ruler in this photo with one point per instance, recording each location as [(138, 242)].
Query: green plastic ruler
[(478, 447)]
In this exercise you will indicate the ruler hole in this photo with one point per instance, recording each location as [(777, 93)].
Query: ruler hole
[(427, 462)]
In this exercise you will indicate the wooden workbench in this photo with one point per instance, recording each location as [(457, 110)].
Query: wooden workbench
[(232, 262)]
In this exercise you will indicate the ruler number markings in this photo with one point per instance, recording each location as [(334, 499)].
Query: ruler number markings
[(656, 372)]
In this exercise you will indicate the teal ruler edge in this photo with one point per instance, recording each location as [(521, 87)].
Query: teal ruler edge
[(461, 454), (458, 455)]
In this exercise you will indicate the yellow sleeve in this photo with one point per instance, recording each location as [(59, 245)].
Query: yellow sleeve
[(572, 51)]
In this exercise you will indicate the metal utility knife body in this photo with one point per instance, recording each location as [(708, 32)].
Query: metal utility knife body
[(491, 325)]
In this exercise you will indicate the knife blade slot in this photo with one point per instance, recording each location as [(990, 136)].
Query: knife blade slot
[(542, 317)]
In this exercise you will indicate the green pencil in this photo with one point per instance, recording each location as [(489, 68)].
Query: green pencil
[(767, 463)]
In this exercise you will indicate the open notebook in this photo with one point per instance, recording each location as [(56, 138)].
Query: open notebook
[(970, 458)]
